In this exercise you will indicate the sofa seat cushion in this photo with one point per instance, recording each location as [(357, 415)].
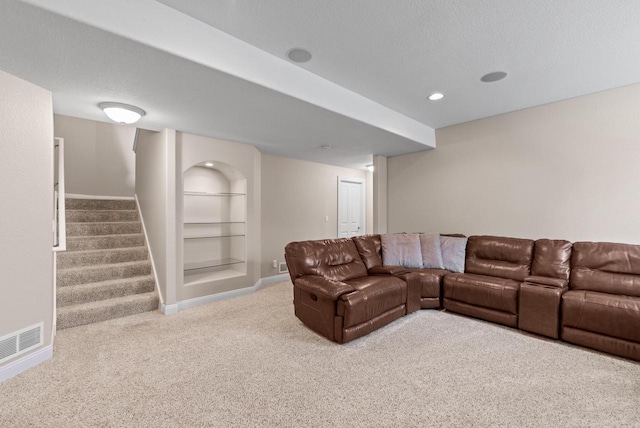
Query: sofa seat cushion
[(489, 292), (374, 295), (607, 314)]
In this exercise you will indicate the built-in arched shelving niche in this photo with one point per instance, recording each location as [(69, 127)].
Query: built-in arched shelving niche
[(214, 223)]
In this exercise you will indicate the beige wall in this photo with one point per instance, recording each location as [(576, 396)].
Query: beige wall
[(155, 173), (98, 156), (563, 170), (296, 197), (26, 177)]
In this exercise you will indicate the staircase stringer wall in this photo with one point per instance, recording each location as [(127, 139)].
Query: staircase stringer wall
[(155, 194), (146, 241)]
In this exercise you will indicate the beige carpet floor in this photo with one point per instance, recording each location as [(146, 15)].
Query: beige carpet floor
[(248, 362)]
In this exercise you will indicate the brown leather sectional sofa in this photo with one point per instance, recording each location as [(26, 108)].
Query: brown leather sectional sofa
[(585, 293)]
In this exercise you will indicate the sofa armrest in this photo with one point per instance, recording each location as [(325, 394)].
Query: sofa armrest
[(323, 287), (414, 289), (546, 281), (387, 270)]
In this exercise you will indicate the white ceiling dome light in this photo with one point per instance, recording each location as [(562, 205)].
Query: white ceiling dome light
[(122, 113), (436, 96)]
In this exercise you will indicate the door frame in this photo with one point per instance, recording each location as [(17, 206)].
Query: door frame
[(363, 206)]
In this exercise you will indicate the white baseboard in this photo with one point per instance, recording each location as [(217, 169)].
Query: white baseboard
[(191, 303), (80, 196), (21, 364), (169, 309)]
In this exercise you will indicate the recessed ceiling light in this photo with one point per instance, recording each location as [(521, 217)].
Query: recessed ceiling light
[(494, 76), (209, 164), (299, 55), (122, 113), (436, 96)]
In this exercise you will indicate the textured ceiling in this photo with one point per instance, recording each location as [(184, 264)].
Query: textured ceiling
[(398, 52), (84, 66), (219, 69)]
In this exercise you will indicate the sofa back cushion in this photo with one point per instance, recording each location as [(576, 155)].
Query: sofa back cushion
[(335, 259), (453, 250), (401, 249), (606, 267), (500, 257), (431, 251), (370, 249), (551, 258)]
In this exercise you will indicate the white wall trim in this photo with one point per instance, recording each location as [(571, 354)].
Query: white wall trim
[(169, 309), (81, 196), (21, 364), (146, 241), (54, 297), (191, 303)]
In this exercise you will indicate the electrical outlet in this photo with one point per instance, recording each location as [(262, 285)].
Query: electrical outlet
[(275, 264)]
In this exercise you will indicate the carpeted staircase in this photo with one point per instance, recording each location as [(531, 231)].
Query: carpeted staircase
[(105, 272)]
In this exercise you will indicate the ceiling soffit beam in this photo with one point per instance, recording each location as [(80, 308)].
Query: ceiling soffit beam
[(159, 26)]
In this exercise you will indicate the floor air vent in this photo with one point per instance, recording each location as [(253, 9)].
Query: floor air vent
[(21, 341)]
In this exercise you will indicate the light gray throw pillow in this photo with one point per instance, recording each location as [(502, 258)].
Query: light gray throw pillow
[(431, 253), (453, 252), (401, 250)]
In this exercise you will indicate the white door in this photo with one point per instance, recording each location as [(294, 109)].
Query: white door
[(351, 207)]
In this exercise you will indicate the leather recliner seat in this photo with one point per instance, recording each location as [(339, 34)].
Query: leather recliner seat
[(334, 294), (601, 310), (489, 287)]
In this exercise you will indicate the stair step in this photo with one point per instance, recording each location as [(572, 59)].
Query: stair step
[(88, 313), (100, 204), (97, 273), (105, 272), (70, 259), (89, 216), (79, 243), (96, 291), (93, 229)]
